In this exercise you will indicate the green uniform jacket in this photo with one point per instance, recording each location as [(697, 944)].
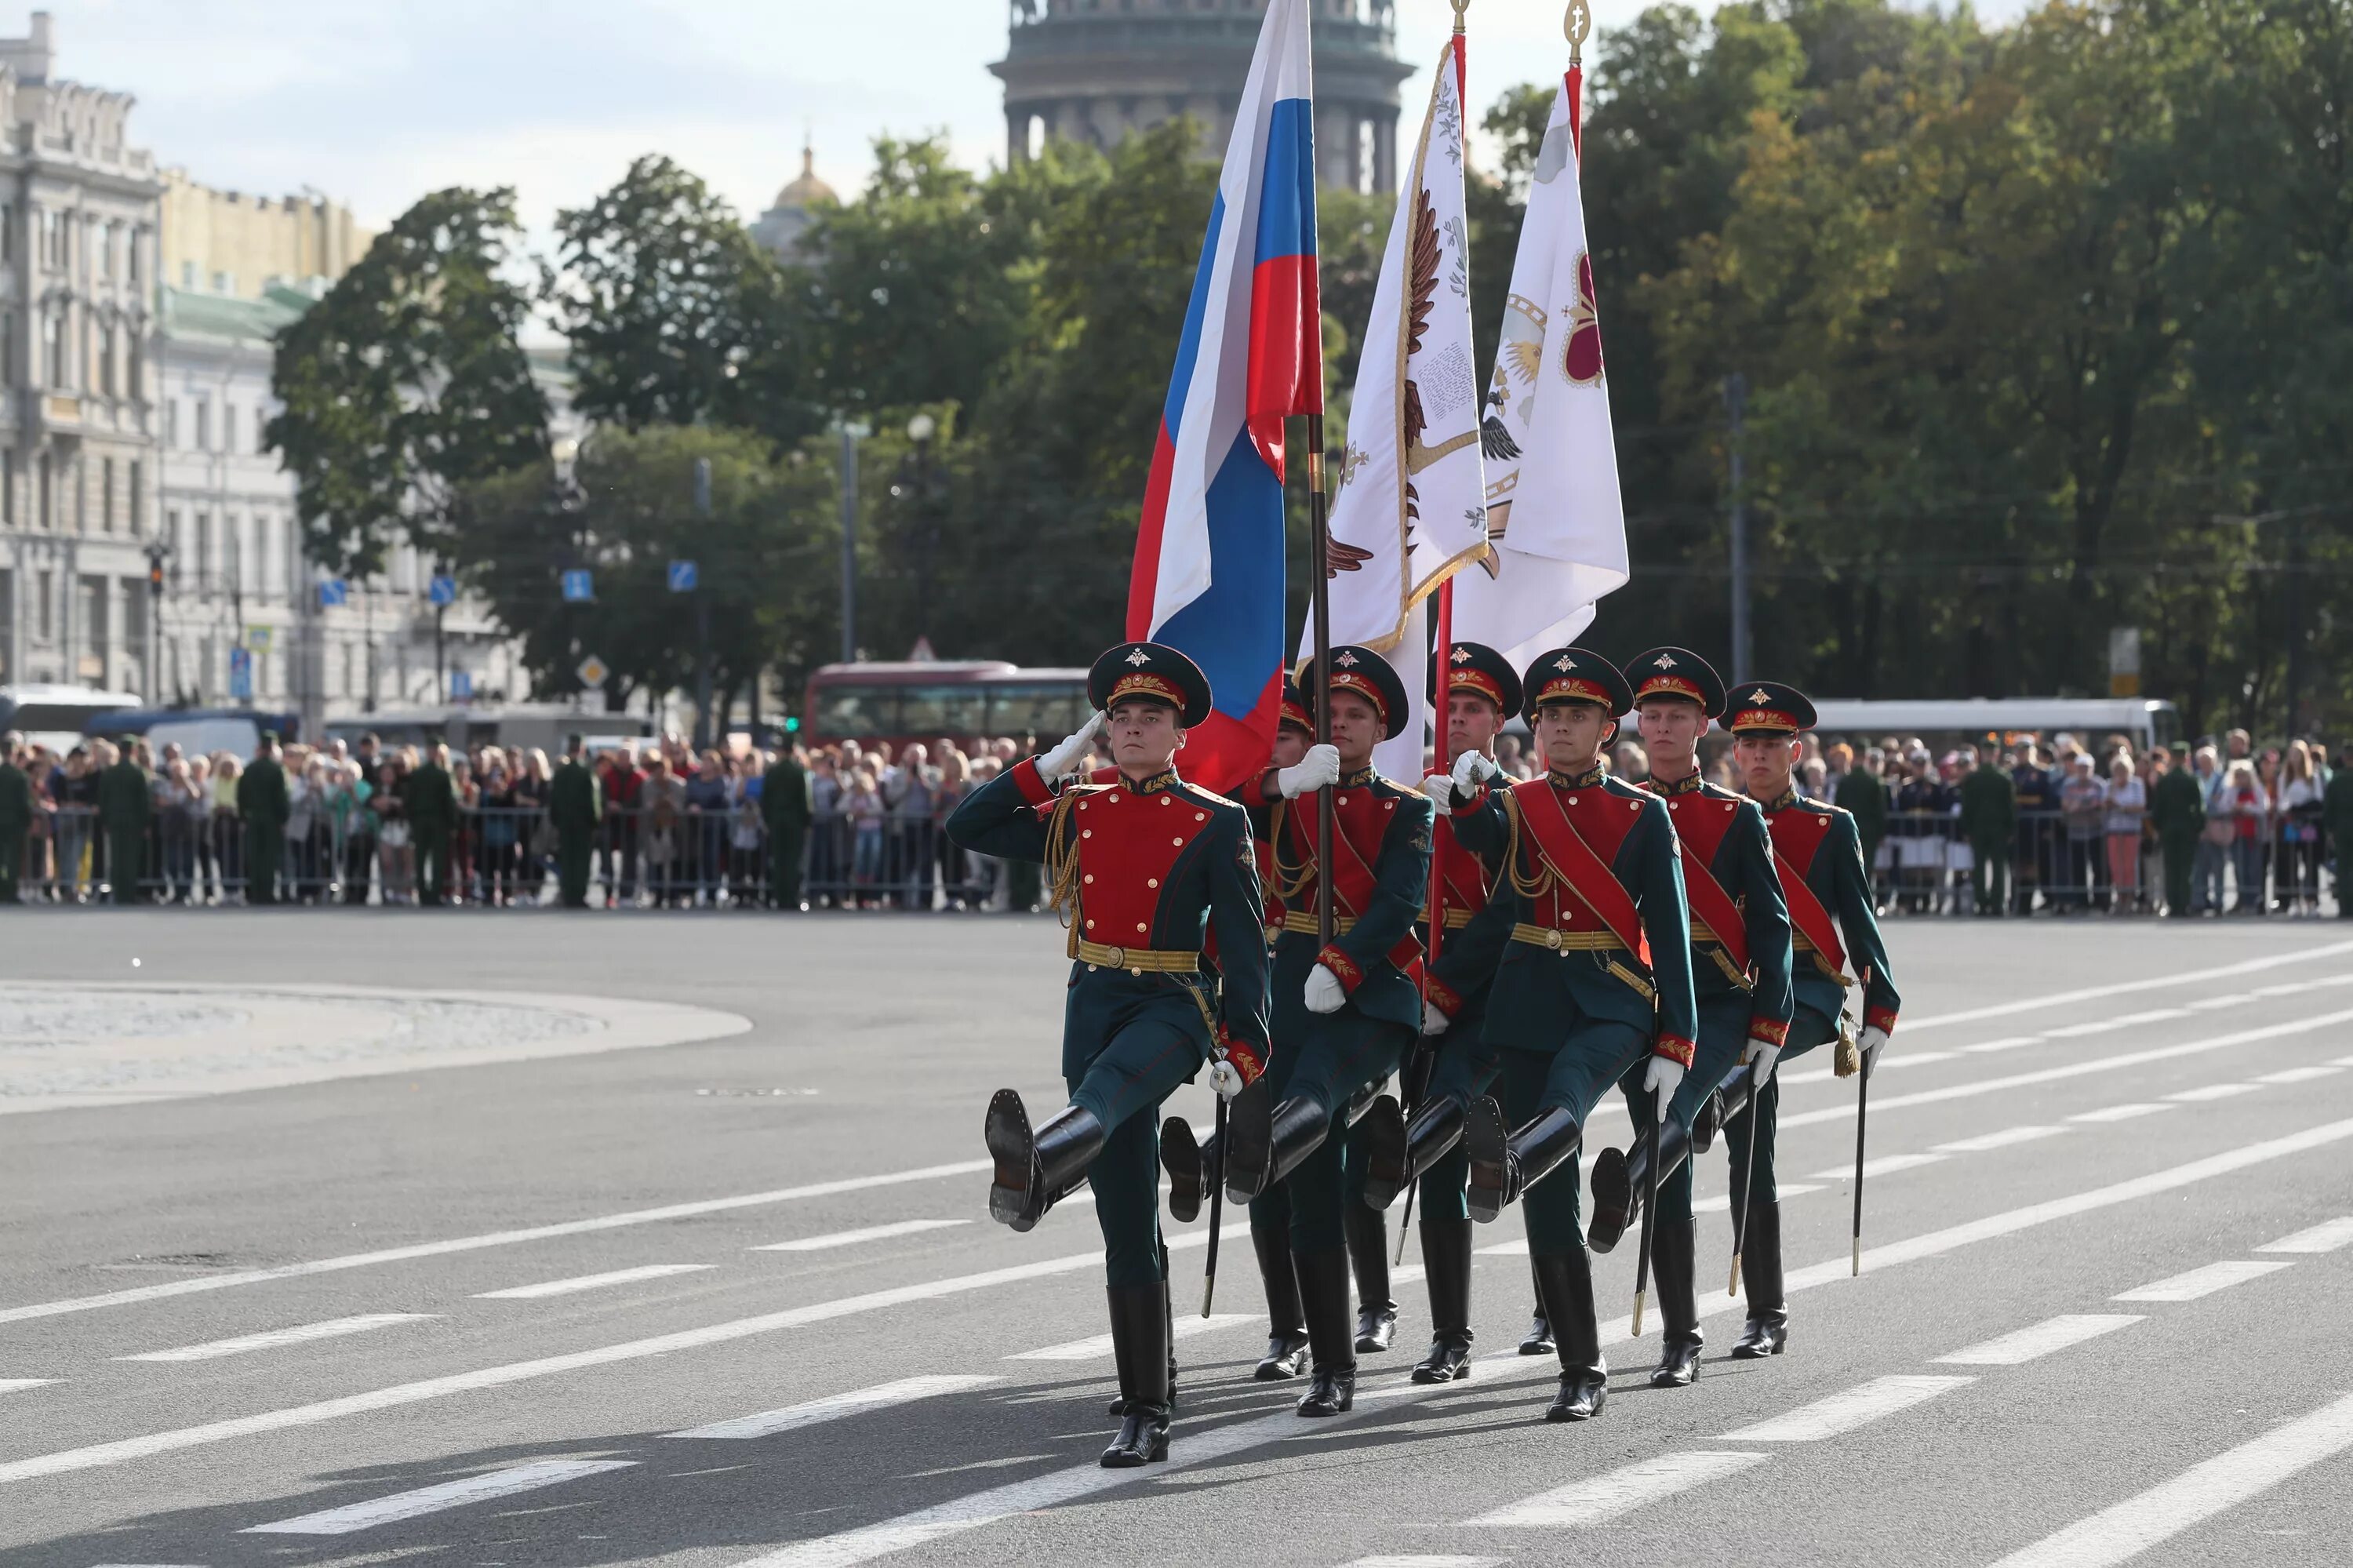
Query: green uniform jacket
[(2337, 811), (1743, 867), (124, 798), (16, 799), (1363, 956), (1864, 797), (428, 798), (261, 793), (2176, 804), (1538, 994), (784, 796), (574, 803), (1988, 806), (1835, 874)]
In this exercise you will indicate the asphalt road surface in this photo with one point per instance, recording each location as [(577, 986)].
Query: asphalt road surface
[(463, 1287)]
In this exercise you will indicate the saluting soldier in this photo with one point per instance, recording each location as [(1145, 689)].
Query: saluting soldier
[(261, 805), (1835, 935), (1740, 979), (1345, 1011), (1145, 868), (1482, 691), (1595, 977), (576, 804)]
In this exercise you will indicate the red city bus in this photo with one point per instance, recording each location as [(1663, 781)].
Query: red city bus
[(924, 700)]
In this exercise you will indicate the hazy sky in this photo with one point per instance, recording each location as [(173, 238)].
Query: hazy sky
[(376, 101)]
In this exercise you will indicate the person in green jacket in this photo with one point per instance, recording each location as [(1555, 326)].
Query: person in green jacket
[(2336, 818), (262, 806), (1988, 819), (16, 814), (1861, 794), (430, 800), (125, 804), (784, 806), (2177, 806), (576, 805)]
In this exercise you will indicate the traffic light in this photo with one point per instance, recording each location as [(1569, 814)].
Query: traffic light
[(155, 577), (792, 725)]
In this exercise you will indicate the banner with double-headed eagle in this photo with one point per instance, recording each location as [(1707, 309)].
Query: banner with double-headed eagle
[(1555, 518), (1409, 500)]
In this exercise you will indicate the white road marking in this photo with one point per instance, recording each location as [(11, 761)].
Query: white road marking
[(2120, 1112), (1597, 1500), (591, 1282), (2012, 1044), (2033, 1344), (1721, 1203), (2205, 1092), (2235, 999), (1900, 1058), (1885, 1165), (834, 1406), (2075, 1069), (2002, 1140), (2121, 1021), (333, 1329), (2123, 988), (1425, 1561), (399, 1394), (446, 1495), (2329, 1236), (1858, 1407), (852, 1238), (495, 1238), (2298, 1075), (959, 1514), (2198, 1493), (17, 1385), (2200, 1282), (2342, 1061), (1100, 1345)]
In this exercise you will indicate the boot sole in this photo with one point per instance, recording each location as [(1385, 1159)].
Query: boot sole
[(1180, 1157), (1613, 1201), (1486, 1140), (1014, 1149)]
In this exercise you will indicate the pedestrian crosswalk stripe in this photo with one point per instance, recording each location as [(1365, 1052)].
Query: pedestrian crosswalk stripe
[(446, 1495), (2328, 1236), (1844, 1411), (852, 1238), (2205, 1092), (2198, 1493), (1597, 1500), (590, 1282), (833, 1407), (1100, 1345), (2002, 1140), (2120, 1112), (334, 1328), (2200, 1282), (2041, 1340)]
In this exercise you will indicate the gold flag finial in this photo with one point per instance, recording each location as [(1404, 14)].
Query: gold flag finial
[(1578, 25), (1460, 8)]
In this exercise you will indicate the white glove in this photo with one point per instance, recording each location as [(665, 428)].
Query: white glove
[(1440, 788), (1320, 766), (1225, 1078), (1761, 1057), (1065, 757), (1433, 1021), (1325, 994), (1665, 1076), (1874, 1041), (1471, 769)]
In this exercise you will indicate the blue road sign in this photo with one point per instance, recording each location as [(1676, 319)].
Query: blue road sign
[(240, 675), (461, 685), (334, 593), (441, 590), (681, 576), (578, 588)]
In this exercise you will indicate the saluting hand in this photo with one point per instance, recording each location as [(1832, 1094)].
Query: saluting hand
[(1065, 757), (1325, 993), (1318, 768)]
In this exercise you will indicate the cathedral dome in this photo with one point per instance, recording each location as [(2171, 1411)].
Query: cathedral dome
[(808, 190)]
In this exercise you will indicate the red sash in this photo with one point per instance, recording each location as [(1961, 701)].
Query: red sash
[(1701, 821), (1795, 855), (1564, 850), (1353, 881)]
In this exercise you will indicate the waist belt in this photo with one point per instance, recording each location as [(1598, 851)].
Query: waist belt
[(1138, 959), (1829, 971), (1706, 940), (1305, 922), (1560, 941)]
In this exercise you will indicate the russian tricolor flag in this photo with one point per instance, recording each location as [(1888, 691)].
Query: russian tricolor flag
[(1208, 557)]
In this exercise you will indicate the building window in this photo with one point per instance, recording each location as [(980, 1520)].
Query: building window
[(49, 504), (223, 283), (188, 276), (204, 423), (204, 550), (59, 347), (131, 258), (8, 347), (45, 608), (106, 495), (106, 381), (134, 386), (179, 554), (113, 251), (172, 424), (228, 426), (260, 432), (138, 496), (8, 486), (7, 234)]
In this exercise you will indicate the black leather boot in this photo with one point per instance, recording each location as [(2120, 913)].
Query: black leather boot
[(1504, 1166), (1446, 1264), (1620, 1180), (1368, 1254), (1119, 1403), (1538, 1340), (1286, 1342), (1139, 1337), (1036, 1171), (1767, 1329), (1267, 1143), (1726, 1100), (1192, 1166), (1396, 1156), (1566, 1284), (1673, 1264), (1324, 1293)]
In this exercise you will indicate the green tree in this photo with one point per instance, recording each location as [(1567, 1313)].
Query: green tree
[(407, 383)]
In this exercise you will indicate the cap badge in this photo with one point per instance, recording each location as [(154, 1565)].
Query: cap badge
[(1760, 696), (1564, 662), (1664, 662), (1346, 661), (1139, 658), (1463, 655)]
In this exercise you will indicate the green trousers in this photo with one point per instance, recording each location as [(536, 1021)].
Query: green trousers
[(2180, 851), (1991, 875), (785, 865), (1122, 1085), (1572, 1078), (265, 847), (572, 846), (432, 842), (12, 862), (126, 862), (1808, 1030), (1465, 1069), (1326, 1061), (1723, 1036)]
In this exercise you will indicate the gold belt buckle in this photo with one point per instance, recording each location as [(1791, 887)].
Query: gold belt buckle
[(1552, 940), (1116, 957)]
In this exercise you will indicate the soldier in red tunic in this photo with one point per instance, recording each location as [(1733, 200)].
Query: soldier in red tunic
[(1158, 883)]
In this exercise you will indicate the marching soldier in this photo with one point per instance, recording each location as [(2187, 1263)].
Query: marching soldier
[(1346, 1013), (1595, 976), (1835, 936), (1143, 868), (1740, 978), (1482, 691)]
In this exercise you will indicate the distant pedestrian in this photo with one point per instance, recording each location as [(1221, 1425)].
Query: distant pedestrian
[(2128, 805), (1989, 821), (2247, 807)]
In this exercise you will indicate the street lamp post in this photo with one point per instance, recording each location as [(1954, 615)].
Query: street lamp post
[(702, 725), (920, 431), (159, 551), (850, 436)]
